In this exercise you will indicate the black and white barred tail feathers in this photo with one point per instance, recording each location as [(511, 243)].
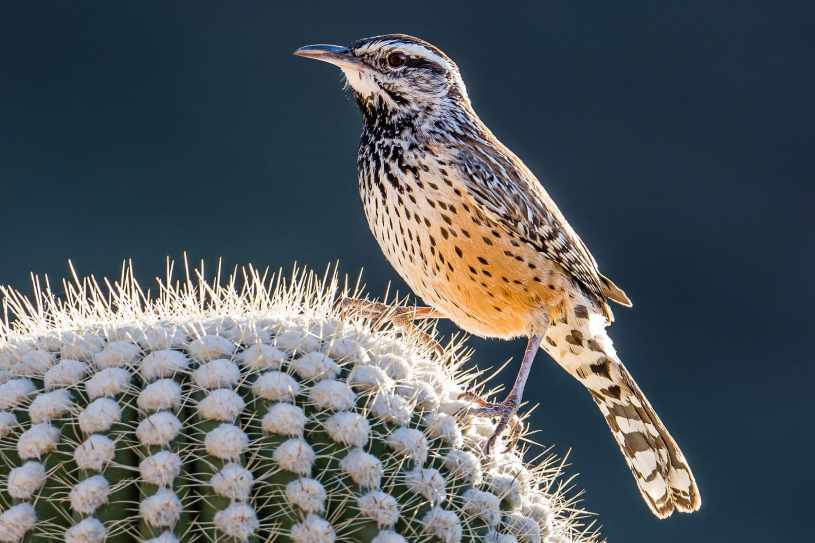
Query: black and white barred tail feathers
[(659, 467), (577, 340)]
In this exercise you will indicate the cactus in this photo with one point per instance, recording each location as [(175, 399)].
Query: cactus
[(214, 412)]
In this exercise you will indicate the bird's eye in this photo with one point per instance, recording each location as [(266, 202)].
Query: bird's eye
[(396, 59)]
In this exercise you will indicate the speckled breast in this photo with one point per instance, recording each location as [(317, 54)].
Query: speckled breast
[(449, 252)]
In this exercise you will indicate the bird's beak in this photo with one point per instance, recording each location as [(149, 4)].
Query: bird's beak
[(333, 54)]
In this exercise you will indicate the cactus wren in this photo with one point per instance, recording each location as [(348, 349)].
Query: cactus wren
[(474, 234)]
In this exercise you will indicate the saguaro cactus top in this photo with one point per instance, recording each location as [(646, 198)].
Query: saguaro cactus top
[(213, 412)]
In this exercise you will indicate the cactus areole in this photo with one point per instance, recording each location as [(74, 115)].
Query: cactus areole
[(248, 410)]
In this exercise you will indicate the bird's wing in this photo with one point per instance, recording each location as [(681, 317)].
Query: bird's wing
[(511, 196)]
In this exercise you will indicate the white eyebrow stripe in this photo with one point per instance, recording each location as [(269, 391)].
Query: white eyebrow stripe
[(419, 51)]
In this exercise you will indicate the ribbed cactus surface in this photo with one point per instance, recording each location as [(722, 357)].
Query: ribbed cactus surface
[(212, 413)]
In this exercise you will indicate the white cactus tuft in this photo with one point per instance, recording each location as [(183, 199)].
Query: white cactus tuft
[(238, 521), (382, 508), (364, 469), (284, 419), (7, 423), (332, 395), (484, 505), (95, 453), (226, 442), (163, 364), (158, 395), (444, 525), (50, 405), (313, 530), (262, 357), (158, 429), (216, 373), (89, 495), (428, 483), (16, 521), (315, 365), (221, 404), (210, 347), (107, 382), (307, 494), (116, 354), (99, 416), (165, 537), (276, 386), (88, 530), (162, 509), (25, 480), (463, 465), (388, 536), (65, 374), (160, 469), (295, 455), (233, 481), (14, 392), (409, 442), (347, 428), (37, 441), (257, 414)]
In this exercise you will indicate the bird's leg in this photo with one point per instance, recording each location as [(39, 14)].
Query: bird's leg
[(506, 409), (403, 317)]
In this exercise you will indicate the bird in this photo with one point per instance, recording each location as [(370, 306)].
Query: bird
[(474, 234)]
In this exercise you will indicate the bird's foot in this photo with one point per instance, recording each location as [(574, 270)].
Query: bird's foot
[(402, 317), (506, 412)]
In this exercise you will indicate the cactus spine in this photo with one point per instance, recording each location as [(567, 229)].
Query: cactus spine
[(213, 413)]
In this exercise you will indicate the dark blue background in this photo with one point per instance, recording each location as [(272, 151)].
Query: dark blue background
[(676, 136)]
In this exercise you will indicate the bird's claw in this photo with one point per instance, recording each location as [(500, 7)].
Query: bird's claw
[(379, 313), (494, 410), (508, 419), (489, 444)]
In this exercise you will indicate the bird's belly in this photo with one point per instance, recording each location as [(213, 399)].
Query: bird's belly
[(468, 269)]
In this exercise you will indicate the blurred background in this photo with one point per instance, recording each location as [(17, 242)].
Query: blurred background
[(676, 136)]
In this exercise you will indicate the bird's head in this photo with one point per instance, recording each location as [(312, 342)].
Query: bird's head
[(395, 74)]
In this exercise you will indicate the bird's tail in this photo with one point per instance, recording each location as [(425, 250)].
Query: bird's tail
[(578, 342)]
